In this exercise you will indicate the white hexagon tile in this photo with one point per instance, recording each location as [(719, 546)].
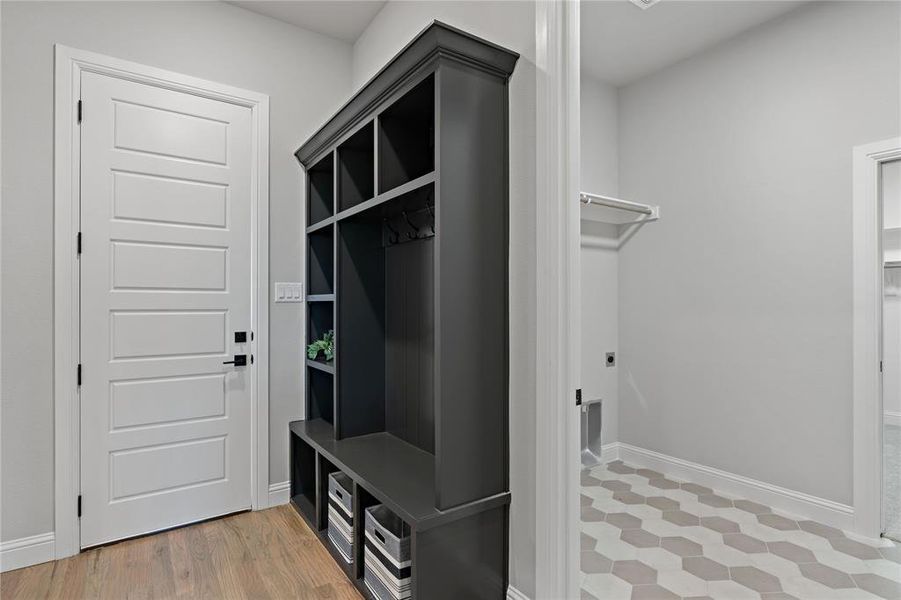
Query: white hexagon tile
[(646, 536)]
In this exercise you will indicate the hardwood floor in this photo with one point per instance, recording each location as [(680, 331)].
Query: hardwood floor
[(266, 554)]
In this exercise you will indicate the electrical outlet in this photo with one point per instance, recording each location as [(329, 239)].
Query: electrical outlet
[(288, 292)]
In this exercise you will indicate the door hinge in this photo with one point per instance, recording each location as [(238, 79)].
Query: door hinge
[(78, 243), (78, 374), (579, 397), (79, 506), (79, 111), (880, 366)]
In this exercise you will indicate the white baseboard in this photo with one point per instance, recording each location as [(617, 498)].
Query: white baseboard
[(26, 551), (892, 418), (279, 493), (609, 452), (515, 594), (780, 499)]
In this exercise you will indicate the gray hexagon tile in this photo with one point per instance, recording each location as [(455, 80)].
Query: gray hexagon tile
[(878, 585), (680, 517), (615, 485), (745, 543), (587, 480), (646, 535), (681, 546), (589, 514), (662, 503), (827, 576), (751, 507), (720, 524), (821, 530), (649, 473), (777, 522), (792, 552), (855, 549), (623, 520), (663, 483), (628, 498), (752, 577), (714, 501), (593, 562), (698, 490), (704, 568), (634, 571), (619, 468), (639, 538)]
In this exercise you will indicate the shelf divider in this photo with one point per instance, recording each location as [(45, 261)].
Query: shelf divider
[(400, 190)]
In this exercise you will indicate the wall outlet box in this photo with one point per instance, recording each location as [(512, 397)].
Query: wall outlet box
[(288, 292)]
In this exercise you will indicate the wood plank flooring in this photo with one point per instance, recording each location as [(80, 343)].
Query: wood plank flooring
[(265, 554)]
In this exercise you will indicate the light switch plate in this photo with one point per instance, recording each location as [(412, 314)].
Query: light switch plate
[(288, 292)]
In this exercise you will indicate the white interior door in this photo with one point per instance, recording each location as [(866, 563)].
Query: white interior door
[(165, 284)]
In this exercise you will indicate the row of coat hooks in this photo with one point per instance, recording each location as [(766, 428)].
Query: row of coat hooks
[(410, 226)]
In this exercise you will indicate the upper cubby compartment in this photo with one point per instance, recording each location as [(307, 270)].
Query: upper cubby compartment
[(321, 262), (407, 137), (356, 168), (321, 190)]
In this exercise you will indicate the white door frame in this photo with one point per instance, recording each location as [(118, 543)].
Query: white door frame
[(867, 336), (69, 65), (557, 279)]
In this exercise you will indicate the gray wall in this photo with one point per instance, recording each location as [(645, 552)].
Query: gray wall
[(306, 75), (599, 108), (511, 24), (735, 330)]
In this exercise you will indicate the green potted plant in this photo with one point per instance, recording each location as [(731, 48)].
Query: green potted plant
[(324, 345)]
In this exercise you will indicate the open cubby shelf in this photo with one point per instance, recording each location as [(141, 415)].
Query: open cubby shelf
[(321, 261), (407, 263), (321, 204), (356, 164), (407, 136)]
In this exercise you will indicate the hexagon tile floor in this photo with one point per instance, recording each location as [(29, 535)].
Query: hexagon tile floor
[(649, 537)]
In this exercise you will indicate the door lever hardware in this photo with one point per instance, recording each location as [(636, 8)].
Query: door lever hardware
[(240, 361)]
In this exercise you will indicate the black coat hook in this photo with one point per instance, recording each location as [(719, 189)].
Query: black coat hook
[(414, 233), (396, 234)]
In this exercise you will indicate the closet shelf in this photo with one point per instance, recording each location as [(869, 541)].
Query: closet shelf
[(326, 367), (321, 224), (410, 186), (321, 298), (646, 211)]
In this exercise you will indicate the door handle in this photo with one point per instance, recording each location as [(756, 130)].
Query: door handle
[(240, 361)]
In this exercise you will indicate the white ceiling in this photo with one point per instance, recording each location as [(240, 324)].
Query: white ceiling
[(342, 19), (622, 43)]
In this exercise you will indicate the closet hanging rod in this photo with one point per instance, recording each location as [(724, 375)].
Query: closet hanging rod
[(586, 198)]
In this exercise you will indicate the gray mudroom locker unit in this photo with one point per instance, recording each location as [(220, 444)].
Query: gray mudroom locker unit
[(407, 248)]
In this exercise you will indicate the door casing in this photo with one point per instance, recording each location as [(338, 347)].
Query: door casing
[(867, 333), (69, 64)]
